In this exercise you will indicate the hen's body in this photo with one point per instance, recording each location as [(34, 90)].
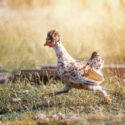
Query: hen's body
[(77, 74)]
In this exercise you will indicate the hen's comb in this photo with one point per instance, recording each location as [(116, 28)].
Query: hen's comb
[(53, 34)]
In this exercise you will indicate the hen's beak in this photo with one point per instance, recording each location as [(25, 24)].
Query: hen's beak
[(46, 44)]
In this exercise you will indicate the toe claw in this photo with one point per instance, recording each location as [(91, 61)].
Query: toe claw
[(50, 94), (109, 100)]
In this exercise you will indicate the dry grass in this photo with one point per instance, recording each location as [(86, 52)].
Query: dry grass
[(85, 26)]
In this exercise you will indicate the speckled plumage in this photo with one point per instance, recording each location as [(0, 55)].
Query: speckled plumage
[(77, 74)]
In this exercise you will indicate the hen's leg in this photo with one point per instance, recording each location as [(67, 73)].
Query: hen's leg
[(99, 88), (64, 90)]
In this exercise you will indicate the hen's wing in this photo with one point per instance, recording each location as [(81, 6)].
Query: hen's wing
[(82, 72)]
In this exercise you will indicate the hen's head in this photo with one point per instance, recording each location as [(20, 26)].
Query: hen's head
[(52, 38), (95, 55)]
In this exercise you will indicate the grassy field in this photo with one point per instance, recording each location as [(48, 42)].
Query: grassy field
[(25, 103), (86, 26)]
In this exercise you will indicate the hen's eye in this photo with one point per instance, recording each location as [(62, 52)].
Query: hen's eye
[(49, 36), (49, 40)]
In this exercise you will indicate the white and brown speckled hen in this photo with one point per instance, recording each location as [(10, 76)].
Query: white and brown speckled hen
[(76, 74)]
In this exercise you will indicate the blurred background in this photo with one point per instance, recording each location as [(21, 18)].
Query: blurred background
[(85, 25)]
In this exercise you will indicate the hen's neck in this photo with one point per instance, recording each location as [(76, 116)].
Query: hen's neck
[(61, 53)]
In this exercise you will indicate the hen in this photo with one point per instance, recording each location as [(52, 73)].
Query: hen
[(76, 74)]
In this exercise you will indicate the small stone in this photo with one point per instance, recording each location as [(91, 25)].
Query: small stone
[(117, 83), (26, 91), (15, 99), (41, 117), (124, 80), (54, 116), (1, 123), (62, 116), (47, 119), (73, 117), (67, 120)]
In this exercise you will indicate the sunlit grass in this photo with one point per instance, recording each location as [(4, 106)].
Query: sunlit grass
[(85, 28)]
